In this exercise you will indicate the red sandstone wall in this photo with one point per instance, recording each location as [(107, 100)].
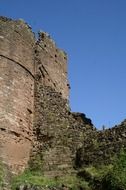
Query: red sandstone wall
[(22, 60), (16, 92), (51, 65), (16, 42)]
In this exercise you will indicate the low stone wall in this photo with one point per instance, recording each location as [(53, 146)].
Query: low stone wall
[(101, 146)]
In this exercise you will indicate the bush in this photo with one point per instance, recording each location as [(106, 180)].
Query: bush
[(110, 177), (116, 178), (95, 175), (36, 179), (113, 177)]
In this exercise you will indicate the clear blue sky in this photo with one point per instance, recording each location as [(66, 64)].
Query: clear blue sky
[(93, 33)]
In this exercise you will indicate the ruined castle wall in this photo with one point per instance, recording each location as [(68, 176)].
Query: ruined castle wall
[(51, 103), (58, 132), (17, 42), (101, 146), (51, 64), (16, 92), (26, 66), (36, 124)]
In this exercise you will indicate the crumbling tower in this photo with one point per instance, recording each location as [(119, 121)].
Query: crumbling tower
[(25, 65), (16, 92), (51, 65)]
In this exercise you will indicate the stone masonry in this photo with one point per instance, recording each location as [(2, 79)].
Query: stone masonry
[(23, 61), (59, 133), (37, 128), (16, 92)]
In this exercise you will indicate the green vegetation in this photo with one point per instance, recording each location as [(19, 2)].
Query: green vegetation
[(37, 179), (2, 174), (95, 175), (36, 163), (110, 177), (116, 178)]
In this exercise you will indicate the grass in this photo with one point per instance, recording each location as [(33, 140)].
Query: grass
[(99, 171), (36, 179), (110, 177), (2, 174)]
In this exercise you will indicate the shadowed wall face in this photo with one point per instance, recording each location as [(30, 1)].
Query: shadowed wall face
[(16, 92)]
